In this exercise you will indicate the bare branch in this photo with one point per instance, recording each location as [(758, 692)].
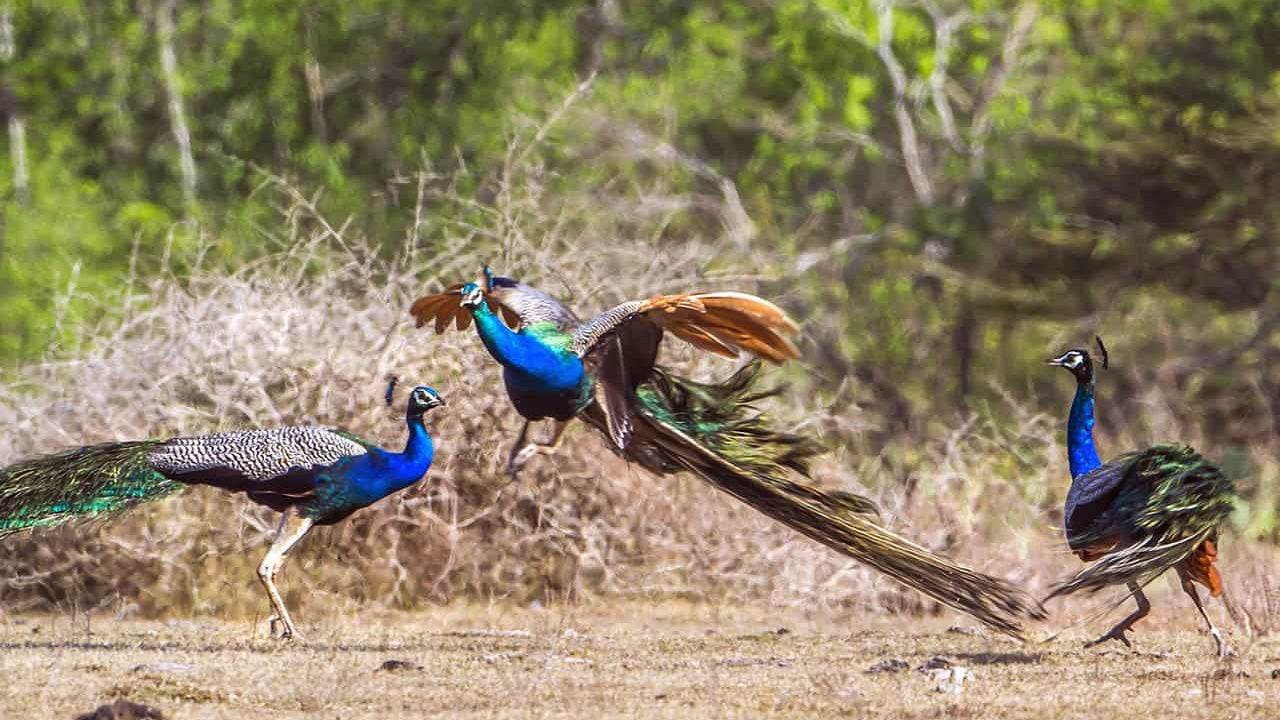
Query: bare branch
[(912, 155), (173, 88), (739, 226), (944, 28), (908, 140), (1014, 39), (17, 128)]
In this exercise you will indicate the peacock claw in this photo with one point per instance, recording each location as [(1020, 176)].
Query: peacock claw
[(286, 632), (1224, 650), (1115, 633), (522, 456)]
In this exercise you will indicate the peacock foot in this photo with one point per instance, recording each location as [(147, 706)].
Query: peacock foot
[(1224, 650), (286, 629), (1115, 633), (522, 456)]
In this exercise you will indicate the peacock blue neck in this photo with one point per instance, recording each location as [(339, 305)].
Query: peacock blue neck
[(371, 477), (536, 358), (419, 451), (1081, 453)]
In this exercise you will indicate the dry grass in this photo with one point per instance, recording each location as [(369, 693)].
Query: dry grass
[(630, 660)]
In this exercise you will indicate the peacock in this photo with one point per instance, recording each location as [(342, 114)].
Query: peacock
[(311, 475), (1140, 514), (604, 371)]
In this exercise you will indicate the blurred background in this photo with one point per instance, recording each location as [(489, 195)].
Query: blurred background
[(215, 214)]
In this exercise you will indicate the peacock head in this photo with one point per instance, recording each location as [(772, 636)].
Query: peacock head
[(472, 296), (1079, 363), (421, 400)]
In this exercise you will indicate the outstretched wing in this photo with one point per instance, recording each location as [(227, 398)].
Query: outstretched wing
[(621, 344), (516, 303), (725, 323)]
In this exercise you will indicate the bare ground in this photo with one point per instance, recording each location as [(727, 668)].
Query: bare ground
[(623, 660)]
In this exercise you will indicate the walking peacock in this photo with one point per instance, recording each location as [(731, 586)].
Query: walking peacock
[(604, 372), (1140, 514), (312, 475)]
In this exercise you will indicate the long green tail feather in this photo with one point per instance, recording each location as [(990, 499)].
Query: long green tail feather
[(1173, 501), (86, 482), (712, 431)]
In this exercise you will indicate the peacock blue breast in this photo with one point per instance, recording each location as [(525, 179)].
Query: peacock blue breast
[(360, 481), (544, 378)]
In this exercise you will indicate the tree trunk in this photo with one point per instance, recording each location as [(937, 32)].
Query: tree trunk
[(9, 107), (177, 114)]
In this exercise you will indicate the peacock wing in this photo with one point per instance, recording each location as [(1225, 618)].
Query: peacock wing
[(1091, 495), (622, 360), (523, 304), (254, 459), (725, 323)]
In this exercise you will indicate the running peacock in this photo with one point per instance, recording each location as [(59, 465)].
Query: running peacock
[(312, 475), (1140, 514), (604, 371)]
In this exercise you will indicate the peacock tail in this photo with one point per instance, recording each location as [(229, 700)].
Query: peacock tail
[(1172, 501), (87, 482), (712, 431)]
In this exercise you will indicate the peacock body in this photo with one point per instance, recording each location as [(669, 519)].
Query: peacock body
[(313, 475), (1140, 514), (608, 377)]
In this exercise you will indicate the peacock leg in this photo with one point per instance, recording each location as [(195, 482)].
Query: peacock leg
[(1189, 588), (521, 441), (524, 451), (1117, 632), (292, 529)]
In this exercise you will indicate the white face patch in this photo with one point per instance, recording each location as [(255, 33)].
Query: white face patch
[(1070, 359), (474, 298)]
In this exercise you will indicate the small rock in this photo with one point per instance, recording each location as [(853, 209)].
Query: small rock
[(951, 681), (965, 630), (782, 631), (122, 710), (164, 667), (937, 662), (1275, 674), (399, 666), (889, 665)]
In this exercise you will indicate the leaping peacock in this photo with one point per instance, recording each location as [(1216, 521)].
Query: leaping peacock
[(312, 475), (1140, 514), (604, 372)]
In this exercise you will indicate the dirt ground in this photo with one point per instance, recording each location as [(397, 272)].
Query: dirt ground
[(630, 660)]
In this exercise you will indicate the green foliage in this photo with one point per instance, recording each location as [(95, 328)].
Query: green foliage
[(1077, 166)]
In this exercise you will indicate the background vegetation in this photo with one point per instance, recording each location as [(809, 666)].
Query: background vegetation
[(213, 211)]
